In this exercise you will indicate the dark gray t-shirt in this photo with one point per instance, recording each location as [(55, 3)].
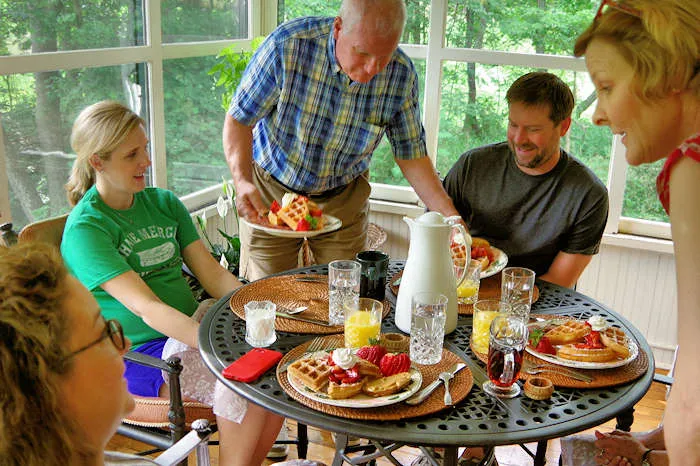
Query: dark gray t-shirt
[(529, 217)]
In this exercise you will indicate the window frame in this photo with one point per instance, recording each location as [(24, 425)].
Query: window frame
[(262, 19)]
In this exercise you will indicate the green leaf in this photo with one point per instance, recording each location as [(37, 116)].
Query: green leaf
[(535, 336)]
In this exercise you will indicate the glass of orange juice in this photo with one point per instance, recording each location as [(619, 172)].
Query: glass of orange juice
[(485, 310), (468, 289), (363, 322)]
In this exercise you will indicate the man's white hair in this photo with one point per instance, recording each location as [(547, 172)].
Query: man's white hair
[(387, 16)]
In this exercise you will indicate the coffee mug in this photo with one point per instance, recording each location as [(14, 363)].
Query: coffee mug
[(374, 266)]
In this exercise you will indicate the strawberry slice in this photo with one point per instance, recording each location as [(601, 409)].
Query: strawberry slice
[(393, 363), (303, 225), (545, 346), (372, 353), (275, 207), (351, 376)]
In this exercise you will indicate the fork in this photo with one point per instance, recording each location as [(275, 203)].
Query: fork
[(317, 344), (532, 369)]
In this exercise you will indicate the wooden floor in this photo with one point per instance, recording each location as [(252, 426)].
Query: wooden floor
[(648, 413)]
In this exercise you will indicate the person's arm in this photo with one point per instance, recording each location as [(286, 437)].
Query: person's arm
[(421, 175), (682, 419), (130, 290), (616, 446), (214, 278), (238, 147), (566, 269)]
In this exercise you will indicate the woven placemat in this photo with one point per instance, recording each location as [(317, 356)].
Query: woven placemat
[(489, 288), (288, 292), (601, 377), (459, 388)]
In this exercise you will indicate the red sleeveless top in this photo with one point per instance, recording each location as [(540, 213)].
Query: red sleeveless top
[(689, 148)]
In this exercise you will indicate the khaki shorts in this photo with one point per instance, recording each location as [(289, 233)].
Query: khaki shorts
[(263, 254)]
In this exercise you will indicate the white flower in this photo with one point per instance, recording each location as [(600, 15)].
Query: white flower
[(228, 190), (203, 218), (222, 207), (223, 262)]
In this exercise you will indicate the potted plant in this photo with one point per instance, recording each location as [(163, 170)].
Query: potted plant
[(231, 64)]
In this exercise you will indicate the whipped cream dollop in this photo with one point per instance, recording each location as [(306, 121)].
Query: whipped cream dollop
[(597, 323), (288, 198), (344, 358)]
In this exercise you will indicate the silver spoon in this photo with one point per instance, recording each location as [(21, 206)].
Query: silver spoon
[(292, 310), (446, 377)]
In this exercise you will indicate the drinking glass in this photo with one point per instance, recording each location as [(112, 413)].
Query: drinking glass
[(373, 269), (468, 290), (508, 335), (517, 286), (428, 316), (343, 289), (363, 323), (260, 323), (485, 310)]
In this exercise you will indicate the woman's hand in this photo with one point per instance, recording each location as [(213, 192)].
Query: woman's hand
[(619, 448)]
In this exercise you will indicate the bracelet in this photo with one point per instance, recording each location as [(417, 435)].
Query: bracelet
[(645, 457)]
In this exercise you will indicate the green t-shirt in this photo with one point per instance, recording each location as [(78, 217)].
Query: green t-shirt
[(100, 243)]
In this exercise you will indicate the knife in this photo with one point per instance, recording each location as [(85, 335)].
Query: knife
[(312, 279), (304, 319), (423, 394)]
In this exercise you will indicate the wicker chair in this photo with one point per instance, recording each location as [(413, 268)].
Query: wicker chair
[(376, 237), (156, 421)]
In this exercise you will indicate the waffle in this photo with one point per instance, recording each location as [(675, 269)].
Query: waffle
[(313, 373), (387, 385), (367, 369), (573, 353), (459, 254), (480, 243), (344, 390), (569, 332), (615, 339), (294, 211)]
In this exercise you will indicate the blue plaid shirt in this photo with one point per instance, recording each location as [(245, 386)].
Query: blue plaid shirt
[(315, 129)]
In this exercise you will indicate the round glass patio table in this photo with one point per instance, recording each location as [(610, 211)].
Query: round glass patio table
[(478, 420)]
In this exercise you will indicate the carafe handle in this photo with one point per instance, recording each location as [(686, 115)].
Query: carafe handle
[(455, 222)]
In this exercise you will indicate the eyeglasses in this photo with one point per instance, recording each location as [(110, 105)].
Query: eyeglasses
[(113, 330), (617, 6)]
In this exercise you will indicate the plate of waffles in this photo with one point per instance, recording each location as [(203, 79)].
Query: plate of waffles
[(500, 259), (330, 223), (577, 345), (310, 376), (492, 259)]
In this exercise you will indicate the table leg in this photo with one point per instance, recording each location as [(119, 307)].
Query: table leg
[(450, 456), (541, 453), (302, 440)]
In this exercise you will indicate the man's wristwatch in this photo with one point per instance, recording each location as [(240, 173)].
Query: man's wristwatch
[(645, 458)]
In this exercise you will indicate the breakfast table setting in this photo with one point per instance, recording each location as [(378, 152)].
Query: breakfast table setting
[(423, 413)]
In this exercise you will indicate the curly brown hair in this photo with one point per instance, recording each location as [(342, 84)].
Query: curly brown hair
[(34, 331)]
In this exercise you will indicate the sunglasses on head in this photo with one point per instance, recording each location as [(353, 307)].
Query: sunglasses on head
[(605, 4)]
